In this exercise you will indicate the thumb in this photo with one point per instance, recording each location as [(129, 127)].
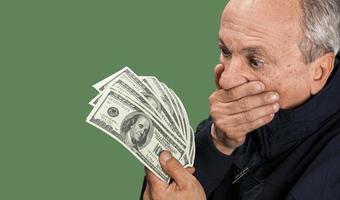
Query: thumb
[(218, 72), (174, 169)]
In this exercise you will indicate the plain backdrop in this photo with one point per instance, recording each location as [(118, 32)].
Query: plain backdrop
[(51, 52)]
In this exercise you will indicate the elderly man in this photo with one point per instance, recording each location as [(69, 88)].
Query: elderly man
[(274, 126)]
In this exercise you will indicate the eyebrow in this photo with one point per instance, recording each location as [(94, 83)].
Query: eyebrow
[(220, 40), (254, 50)]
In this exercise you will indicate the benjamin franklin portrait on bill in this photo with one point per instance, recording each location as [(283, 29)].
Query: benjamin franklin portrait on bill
[(137, 130)]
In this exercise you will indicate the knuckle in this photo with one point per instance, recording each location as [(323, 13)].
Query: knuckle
[(173, 165), (265, 98), (257, 86), (249, 116), (243, 103)]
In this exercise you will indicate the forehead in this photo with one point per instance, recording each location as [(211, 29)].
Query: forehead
[(267, 20), (142, 120)]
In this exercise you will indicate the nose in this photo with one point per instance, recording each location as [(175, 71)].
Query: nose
[(142, 131), (234, 74)]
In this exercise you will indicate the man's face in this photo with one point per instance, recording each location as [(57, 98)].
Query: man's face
[(260, 41), (139, 129)]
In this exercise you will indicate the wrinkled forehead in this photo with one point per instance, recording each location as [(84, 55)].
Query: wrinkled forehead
[(272, 8), (281, 14), (142, 120), (273, 24)]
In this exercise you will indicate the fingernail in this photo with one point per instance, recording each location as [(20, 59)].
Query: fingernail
[(274, 97), (276, 107), (165, 156)]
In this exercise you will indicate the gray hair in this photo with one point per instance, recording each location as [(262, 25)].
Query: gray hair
[(321, 27)]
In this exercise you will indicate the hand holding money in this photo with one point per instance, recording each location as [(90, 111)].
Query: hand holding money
[(184, 187), (145, 116)]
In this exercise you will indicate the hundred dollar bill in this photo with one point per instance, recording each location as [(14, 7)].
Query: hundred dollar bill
[(132, 81), (105, 83), (130, 94), (156, 86), (101, 85), (181, 109), (95, 100), (191, 135), (192, 147), (183, 115), (173, 102), (156, 108), (135, 129)]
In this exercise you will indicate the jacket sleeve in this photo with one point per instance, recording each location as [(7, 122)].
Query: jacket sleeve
[(211, 165)]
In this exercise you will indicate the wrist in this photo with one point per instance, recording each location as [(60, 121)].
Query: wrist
[(219, 141)]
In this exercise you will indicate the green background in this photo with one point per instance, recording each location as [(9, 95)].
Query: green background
[(51, 52)]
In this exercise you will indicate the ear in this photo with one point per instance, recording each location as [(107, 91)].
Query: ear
[(321, 68)]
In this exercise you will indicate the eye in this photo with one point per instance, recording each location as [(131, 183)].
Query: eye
[(255, 62), (225, 51), (140, 125)]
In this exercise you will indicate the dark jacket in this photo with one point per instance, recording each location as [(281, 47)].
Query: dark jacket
[(294, 157)]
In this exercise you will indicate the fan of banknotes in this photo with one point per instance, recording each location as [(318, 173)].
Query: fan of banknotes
[(145, 116)]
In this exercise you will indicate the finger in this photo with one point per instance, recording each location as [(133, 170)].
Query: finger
[(251, 102), (250, 115), (174, 169), (238, 92), (244, 129), (218, 72), (191, 170), (155, 184)]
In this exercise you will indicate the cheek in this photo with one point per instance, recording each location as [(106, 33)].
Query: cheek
[(135, 129), (291, 86)]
